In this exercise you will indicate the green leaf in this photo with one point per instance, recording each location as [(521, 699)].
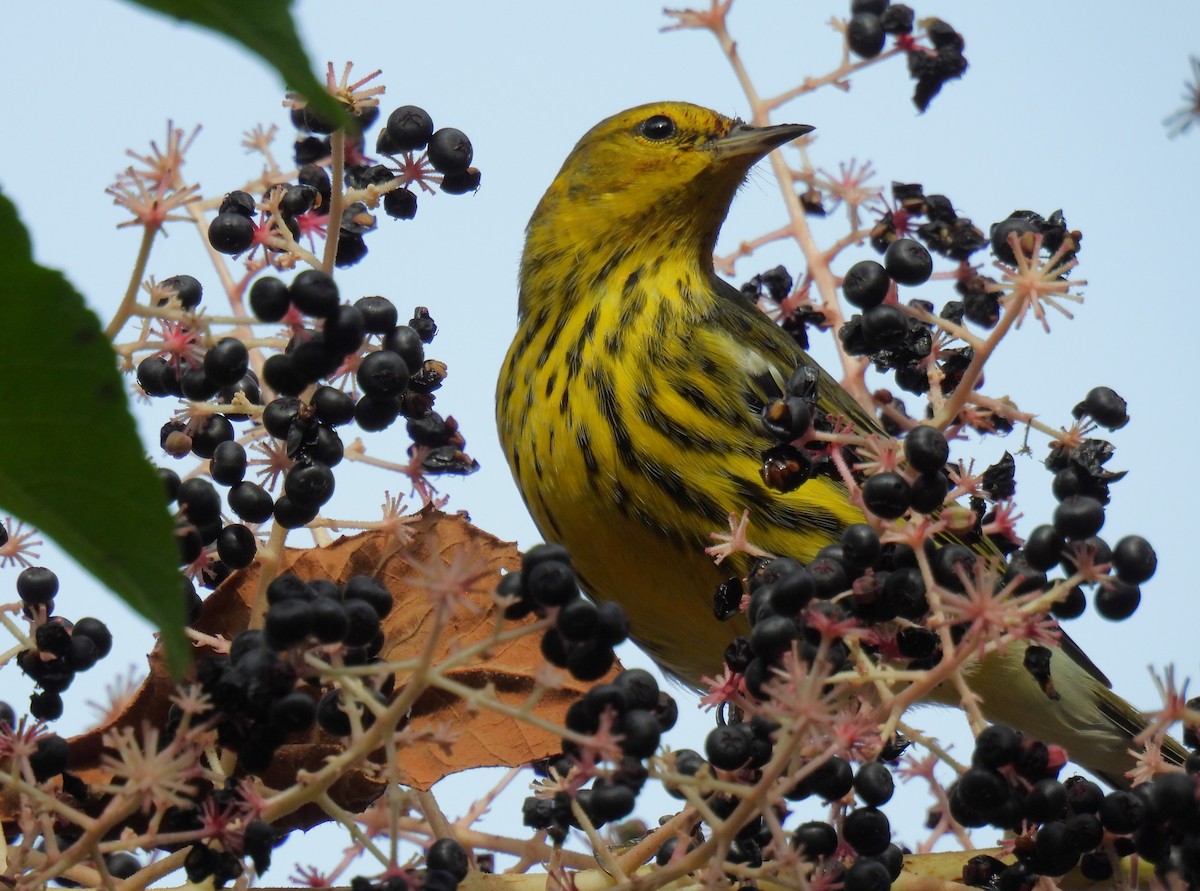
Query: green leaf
[(71, 462), (264, 27)]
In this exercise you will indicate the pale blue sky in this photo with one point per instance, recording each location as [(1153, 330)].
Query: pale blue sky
[(1062, 107)]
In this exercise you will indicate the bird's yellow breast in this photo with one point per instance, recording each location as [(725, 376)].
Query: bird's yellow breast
[(631, 427)]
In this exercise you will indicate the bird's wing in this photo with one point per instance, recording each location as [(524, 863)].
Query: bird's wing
[(1095, 724)]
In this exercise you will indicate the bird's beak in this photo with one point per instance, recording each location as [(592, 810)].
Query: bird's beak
[(755, 142)]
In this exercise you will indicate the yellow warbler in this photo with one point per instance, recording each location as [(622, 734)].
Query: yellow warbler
[(629, 407)]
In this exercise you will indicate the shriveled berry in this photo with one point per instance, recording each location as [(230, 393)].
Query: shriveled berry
[(400, 204), (1019, 224), (422, 322)]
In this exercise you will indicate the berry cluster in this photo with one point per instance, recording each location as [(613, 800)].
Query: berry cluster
[(446, 866), (184, 367), (871, 21), (864, 581), (584, 632), (448, 151), (910, 342), (735, 751), (365, 339), (633, 714), (256, 703), (231, 830), (1012, 784), (289, 211), (61, 649)]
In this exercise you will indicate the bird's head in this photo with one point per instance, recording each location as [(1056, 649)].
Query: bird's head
[(665, 172)]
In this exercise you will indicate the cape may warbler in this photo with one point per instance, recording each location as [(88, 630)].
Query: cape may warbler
[(630, 409)]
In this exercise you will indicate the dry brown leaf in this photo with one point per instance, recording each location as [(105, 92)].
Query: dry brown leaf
[(481, 738)]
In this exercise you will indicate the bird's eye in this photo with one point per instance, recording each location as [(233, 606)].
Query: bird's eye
[(657, 128)]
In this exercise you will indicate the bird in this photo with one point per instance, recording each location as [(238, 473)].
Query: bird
[(629, 408)]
